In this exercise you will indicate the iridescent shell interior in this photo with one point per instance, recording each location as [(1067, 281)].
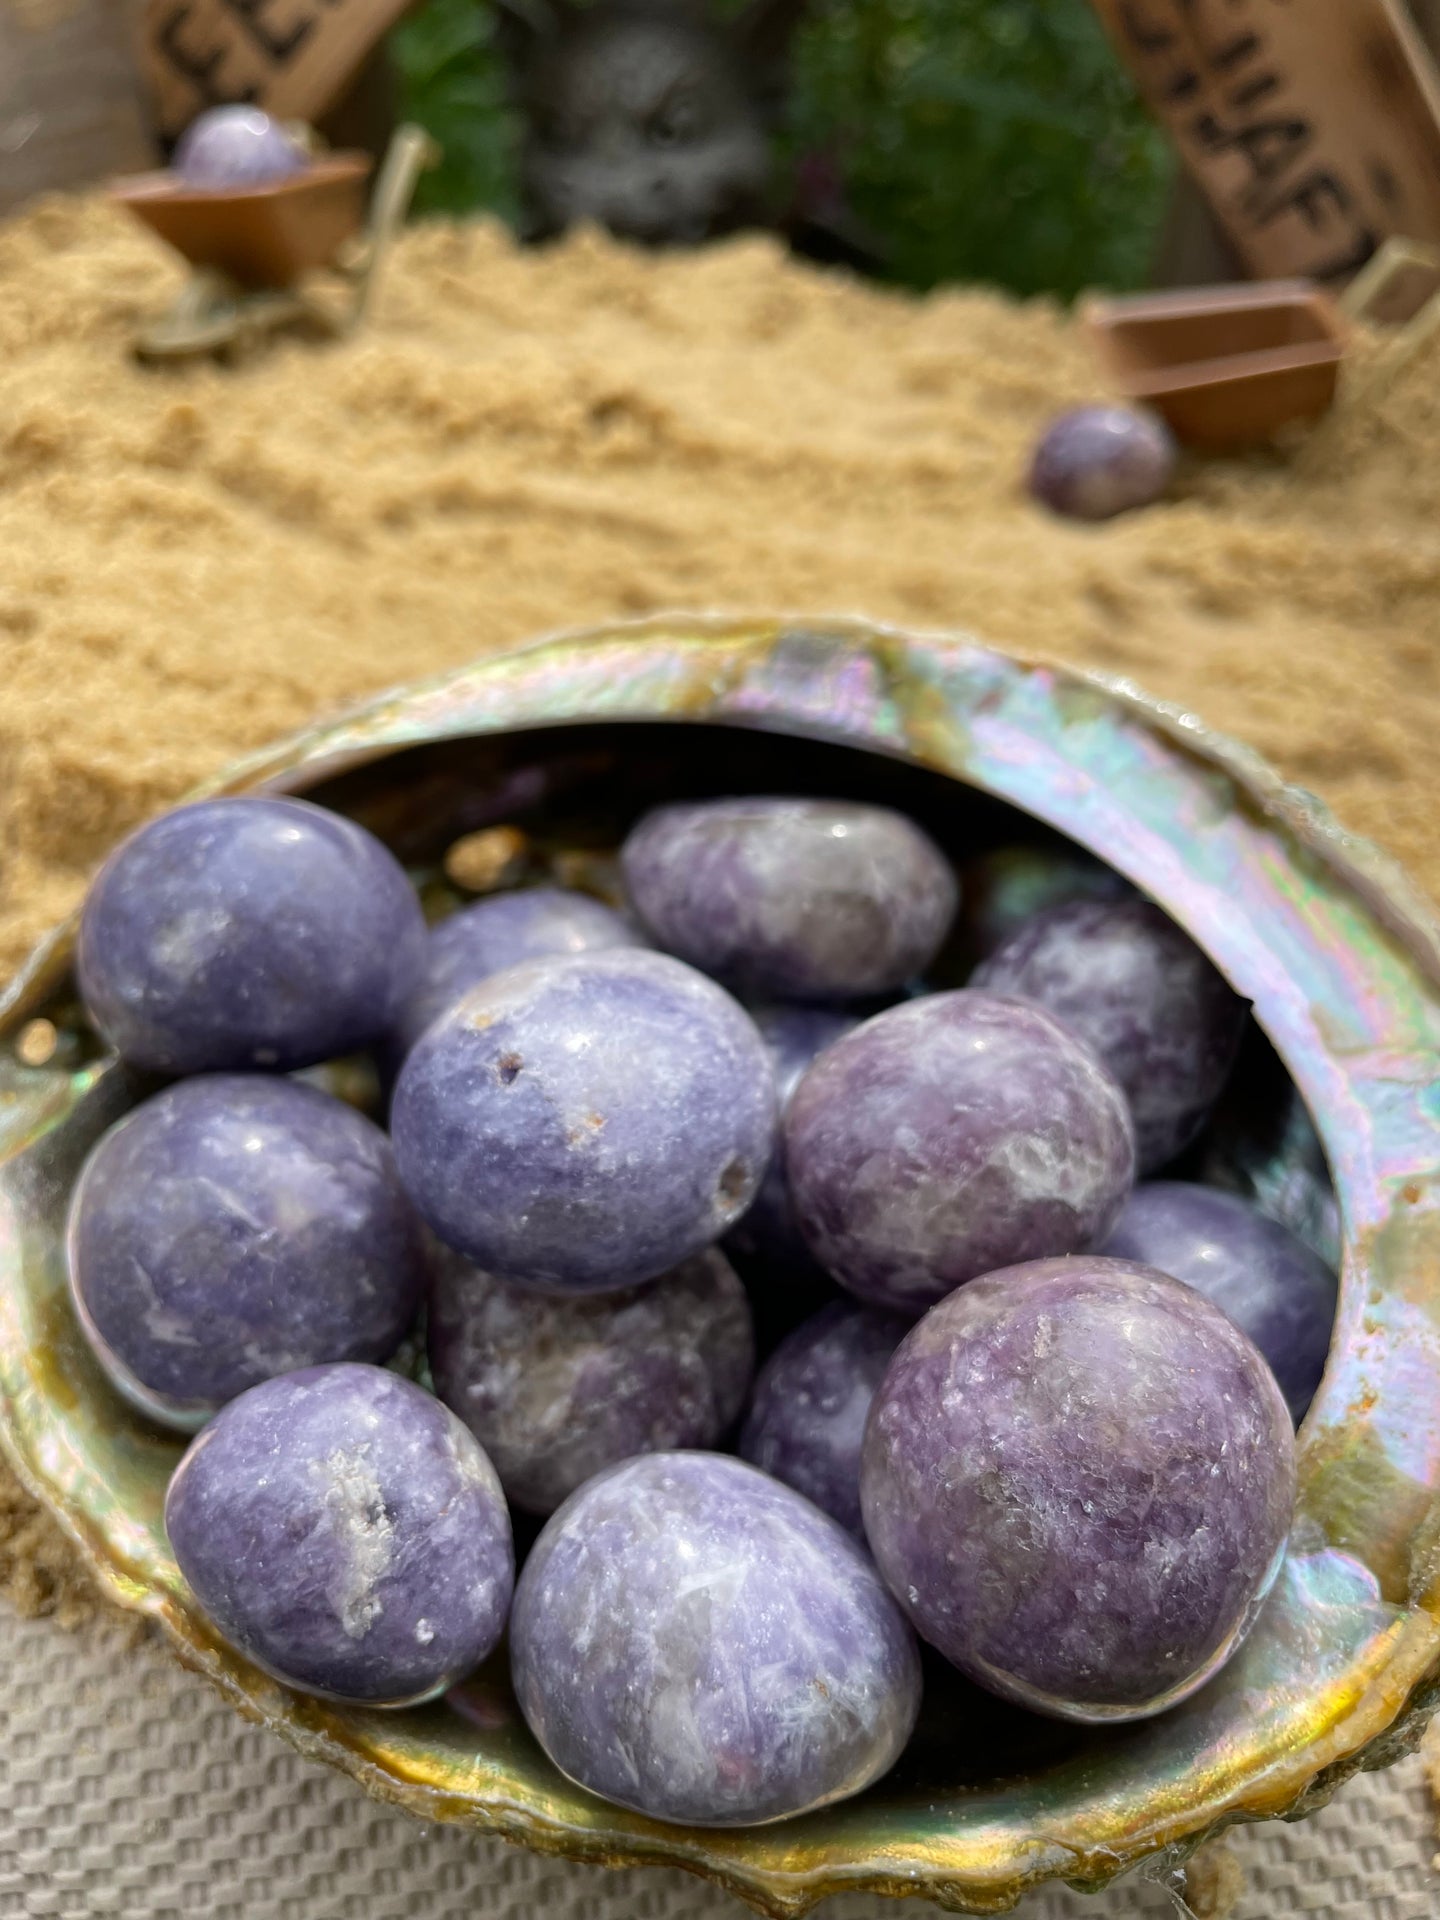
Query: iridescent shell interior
[(1342, 962)]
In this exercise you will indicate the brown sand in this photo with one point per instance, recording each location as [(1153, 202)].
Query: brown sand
[(198, 560)]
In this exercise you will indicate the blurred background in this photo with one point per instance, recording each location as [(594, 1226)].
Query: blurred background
[(998, 142)]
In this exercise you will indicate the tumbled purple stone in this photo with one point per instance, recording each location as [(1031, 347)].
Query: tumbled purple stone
[(807, 1414), (505, 930), (237, 146), (693, 1640), (1005, 887), (235, 1227), (345, 1532), (1271, 1284), (950, 1136), (1261, 1144), (1078, 1479), (583, 1125), (1124, 977), (1095, 462), (557, 1389), (248, 932), (794, 1035), (792, 899)]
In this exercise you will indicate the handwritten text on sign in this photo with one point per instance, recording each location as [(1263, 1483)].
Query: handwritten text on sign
[(1313, 130), (291, 57)]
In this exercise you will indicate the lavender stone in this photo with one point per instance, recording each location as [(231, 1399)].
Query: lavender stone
[(248, 933), (1078, 1478), (795, 899), (1269, 1283), (807, 1415), (503, 931), (237, 146), (345, 1532), (557, 1389), (793, 1035), (1124, 977), (695, 1641), (950, 1136), (235, 1227), (583, 1125), (1095, 462), (1002, 889), (1261, 1144)]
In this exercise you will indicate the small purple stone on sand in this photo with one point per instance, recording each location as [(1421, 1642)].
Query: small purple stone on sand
[(807, 1415), (1095, 462), (235, 1227), (237, 146), (794, 1035), (950, 1136), (345, 1532), (248, 933), (555, 1390), (1271, 1284), (693, 1640), (584, 1125), (505, 930), (1078, 1479), (792, 899), (1124, 977)]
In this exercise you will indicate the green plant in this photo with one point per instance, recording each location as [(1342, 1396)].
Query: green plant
[(992, 140)]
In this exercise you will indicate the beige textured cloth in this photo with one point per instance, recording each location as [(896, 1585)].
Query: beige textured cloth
[(129, 1789)]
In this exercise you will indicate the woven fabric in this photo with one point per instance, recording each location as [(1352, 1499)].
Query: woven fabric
[(129, 1789)]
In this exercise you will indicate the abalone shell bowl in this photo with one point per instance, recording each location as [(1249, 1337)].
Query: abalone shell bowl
[(1341, 958)]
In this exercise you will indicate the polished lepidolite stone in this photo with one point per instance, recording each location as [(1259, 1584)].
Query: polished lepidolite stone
[(237, 146), (694, 1640), (1261, 1144), (539, 923), (584, 1125), (345, 1532), (807, 1415), (1003, 888), (248, 932), (1078, 1479), (1124, 977), (950, 1136), (234, 1227), (1267, 1281), (557, 1389), (792, 899), (1095, 462), (794, 1035)]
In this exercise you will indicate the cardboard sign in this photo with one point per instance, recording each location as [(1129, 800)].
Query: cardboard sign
[(1313, 129), (292, 57)]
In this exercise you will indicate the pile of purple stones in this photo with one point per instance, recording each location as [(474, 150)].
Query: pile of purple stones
[(1042, 1418)]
